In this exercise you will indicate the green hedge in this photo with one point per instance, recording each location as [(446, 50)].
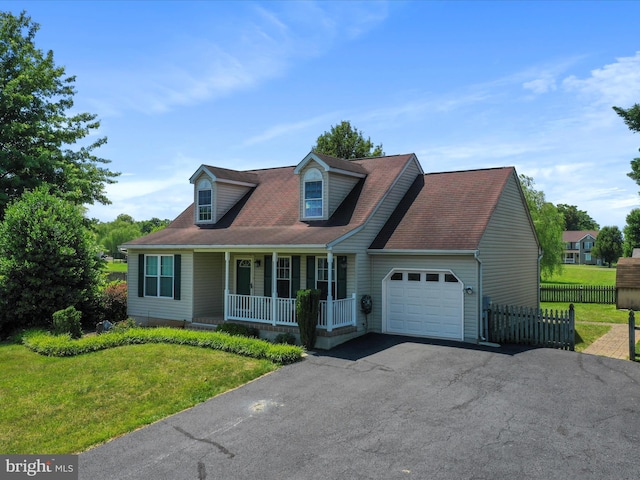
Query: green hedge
[(63, 346)]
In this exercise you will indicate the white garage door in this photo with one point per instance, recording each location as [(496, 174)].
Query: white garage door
[(427, 304)]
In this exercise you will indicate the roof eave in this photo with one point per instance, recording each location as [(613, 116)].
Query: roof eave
[(382, 251)]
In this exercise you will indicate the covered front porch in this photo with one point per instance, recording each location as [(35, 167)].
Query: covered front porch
[(278, 275)]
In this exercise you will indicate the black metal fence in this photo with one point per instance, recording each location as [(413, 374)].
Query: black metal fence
[(578, 294)]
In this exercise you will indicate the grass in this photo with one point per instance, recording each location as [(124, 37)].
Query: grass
[(115, 267), (583, 275), (587, 333), (66, 405), (592, 312)]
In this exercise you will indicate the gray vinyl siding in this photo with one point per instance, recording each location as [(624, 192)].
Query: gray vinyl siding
[(208, 284), (143, 308), (226, 196), (465, 267), (339, 188), (509, 252), (360, 242)]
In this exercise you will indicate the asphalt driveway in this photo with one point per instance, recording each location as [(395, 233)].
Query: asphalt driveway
[(385, 407)]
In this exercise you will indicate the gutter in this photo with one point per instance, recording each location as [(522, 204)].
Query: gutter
[(421, 252)]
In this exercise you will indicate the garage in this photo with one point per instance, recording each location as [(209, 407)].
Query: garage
[(424, 303)]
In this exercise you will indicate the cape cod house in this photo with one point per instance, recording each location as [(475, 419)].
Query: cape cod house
[(392, 249)]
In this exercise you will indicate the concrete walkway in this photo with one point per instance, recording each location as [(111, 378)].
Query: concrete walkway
[(614, 344)]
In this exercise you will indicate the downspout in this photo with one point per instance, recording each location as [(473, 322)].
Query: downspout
[(483, 327), (484, 317), (539, 274)]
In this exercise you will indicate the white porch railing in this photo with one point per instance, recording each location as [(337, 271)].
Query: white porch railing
[(250, 308)]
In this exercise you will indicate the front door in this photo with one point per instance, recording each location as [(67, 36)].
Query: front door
[(243, 277)]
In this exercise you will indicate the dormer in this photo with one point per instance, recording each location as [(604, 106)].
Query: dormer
[(216, 190), (325, 181)]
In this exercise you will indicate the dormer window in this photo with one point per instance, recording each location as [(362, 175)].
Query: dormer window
[(313, 193), (205, 201)]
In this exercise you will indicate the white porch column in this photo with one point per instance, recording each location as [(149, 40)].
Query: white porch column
[(274, 288), (354, 310), (329, 292), (227, 259)]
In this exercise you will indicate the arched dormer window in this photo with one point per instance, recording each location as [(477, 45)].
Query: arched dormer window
[(313, 194), (205, 201)]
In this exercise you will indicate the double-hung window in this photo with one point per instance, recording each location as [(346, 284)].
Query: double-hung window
[(313, 193), (205, 201), (283, 277), (158, 276), (322, 278)]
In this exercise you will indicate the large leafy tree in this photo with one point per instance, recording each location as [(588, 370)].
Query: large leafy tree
[(124, 228), (38, 134), (631, 117), (575, 219), (631, 232), (345, 141), (608, 247), (549, 225), (49, 262)]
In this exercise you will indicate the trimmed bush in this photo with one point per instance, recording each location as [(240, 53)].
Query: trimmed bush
[(114, 301), (307, 308), (67, 321), (62, 346), (238, 329)]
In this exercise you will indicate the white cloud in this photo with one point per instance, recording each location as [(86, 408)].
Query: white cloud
[(289, 128), (541, 85), (261, 46), (614, 84)]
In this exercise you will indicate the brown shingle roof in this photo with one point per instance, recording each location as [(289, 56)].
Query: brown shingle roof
[(577, 235), (233, 175), (341, 163), (444, 211), (269, 213)]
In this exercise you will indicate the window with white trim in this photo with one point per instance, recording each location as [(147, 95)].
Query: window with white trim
[(322, 277), (205, 201), (313, 187), (283, 277), (158, 276)]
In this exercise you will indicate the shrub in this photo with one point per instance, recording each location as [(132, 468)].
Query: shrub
[(124, 325), (48, 261), (67, 321), (238, 329), (114, 301), (285, 338), (62, 346), (307, 307)]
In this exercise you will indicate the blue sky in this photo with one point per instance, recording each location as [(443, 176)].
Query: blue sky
[(247, 85)]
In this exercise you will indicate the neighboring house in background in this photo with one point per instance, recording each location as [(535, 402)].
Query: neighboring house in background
[(425, 248), (578, 246)]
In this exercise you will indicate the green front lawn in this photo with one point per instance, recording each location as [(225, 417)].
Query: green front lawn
[(66, 405)]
